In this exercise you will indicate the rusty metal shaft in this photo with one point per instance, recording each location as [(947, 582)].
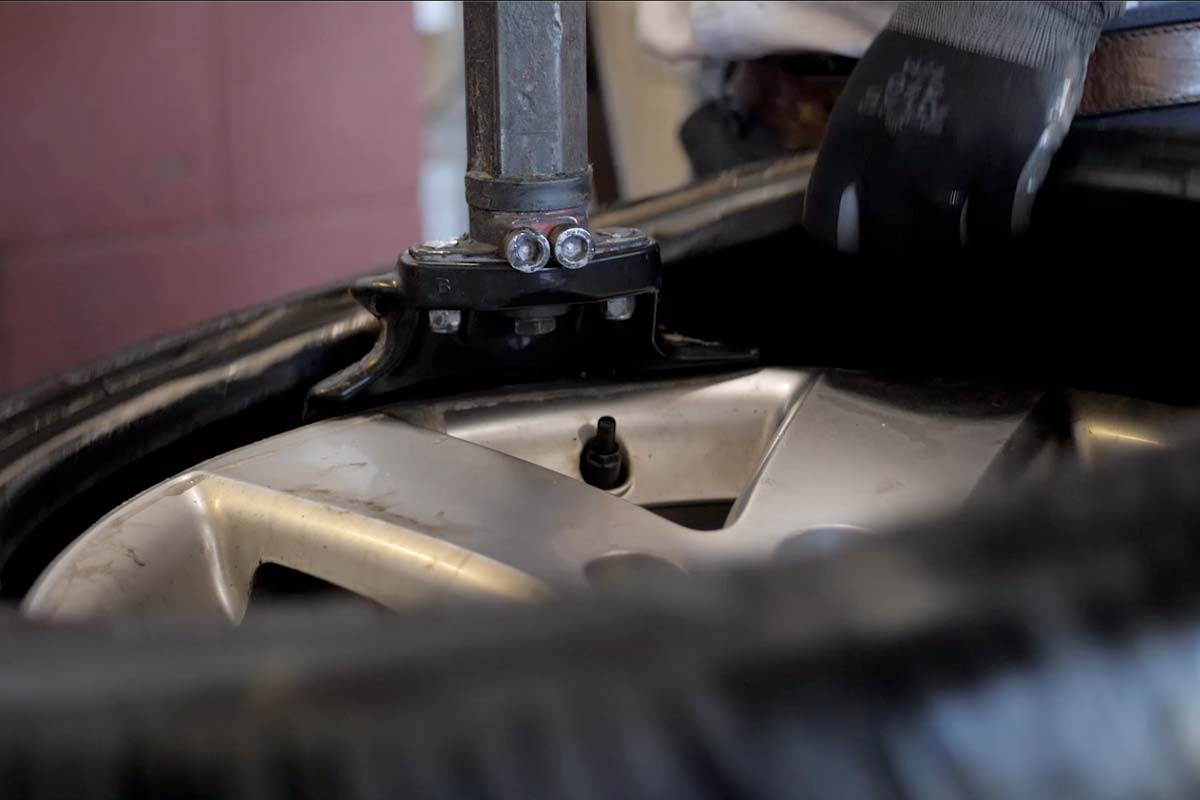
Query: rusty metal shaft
[(526, 82)]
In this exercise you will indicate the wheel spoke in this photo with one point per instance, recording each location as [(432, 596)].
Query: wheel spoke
[(387, 510), (861, 455)]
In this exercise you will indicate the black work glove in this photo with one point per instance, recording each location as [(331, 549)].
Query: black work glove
[(945, 130)]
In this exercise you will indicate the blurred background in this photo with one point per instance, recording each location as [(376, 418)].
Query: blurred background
[(163, 163)]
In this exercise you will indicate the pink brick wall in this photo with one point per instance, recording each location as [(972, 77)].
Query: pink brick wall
[(162, 163)]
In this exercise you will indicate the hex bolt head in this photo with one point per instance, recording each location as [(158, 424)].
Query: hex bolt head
[(526, 250), (445, 320), (573, 246), (536, 326), (619, 309)]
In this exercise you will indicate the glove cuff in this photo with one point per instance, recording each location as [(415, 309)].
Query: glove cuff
[(1039, 34)]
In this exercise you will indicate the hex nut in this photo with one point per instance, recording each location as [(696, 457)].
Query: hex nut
[(536, 326), (619, 309), (445, 320)]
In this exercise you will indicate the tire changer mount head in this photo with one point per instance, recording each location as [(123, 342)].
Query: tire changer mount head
[(531, 287)]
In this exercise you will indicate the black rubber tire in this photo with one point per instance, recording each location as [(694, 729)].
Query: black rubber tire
[(1029, 647)]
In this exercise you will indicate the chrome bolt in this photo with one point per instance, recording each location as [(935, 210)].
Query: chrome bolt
[(526, 250), (535, 326), (619, 309), (573, 246), (445, 320)]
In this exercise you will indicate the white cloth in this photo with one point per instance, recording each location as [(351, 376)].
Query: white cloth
[(728, 29)]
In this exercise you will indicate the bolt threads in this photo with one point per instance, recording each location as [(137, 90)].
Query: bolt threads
[(573, 246), (526, 250), (601, 463), (605, 441)]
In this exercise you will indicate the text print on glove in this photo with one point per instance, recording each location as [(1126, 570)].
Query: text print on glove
[(912, 99)]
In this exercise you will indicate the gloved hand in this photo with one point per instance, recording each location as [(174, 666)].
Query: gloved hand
[(946, 128)]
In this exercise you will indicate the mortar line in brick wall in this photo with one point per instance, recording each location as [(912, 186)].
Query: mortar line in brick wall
[(218, 53), (6, 380), (45, 252), (319, 212)]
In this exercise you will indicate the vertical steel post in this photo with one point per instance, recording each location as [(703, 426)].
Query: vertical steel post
[(526, 86)]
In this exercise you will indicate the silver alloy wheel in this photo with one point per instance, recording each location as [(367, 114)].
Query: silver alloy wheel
[(481, 496)]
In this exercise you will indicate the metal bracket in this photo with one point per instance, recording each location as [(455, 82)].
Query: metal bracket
[(531, 287), (447, 312)]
